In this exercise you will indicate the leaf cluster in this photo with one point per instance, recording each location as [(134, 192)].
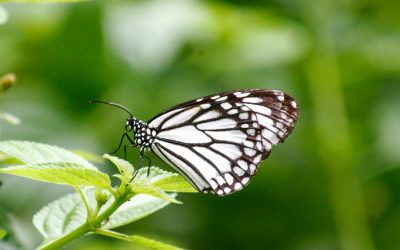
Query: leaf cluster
[(96, 206)]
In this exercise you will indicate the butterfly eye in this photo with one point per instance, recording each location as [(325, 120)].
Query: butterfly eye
[(128, 127)]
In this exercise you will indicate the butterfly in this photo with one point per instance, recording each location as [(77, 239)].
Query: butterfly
[(218, 141)]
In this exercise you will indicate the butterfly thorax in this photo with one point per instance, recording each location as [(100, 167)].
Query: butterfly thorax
[(144, 136)]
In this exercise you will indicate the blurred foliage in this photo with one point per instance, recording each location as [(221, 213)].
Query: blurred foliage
[(6, 81), (334, 184), (2, 233), (3, 15)]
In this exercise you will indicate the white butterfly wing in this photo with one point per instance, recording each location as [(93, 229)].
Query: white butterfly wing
[(218, 141), (276, 112)]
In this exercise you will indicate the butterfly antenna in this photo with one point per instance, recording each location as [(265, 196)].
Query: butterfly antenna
[(113, 104)]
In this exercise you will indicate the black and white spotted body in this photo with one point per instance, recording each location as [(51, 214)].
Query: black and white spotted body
[(144, 136), (218, 142)]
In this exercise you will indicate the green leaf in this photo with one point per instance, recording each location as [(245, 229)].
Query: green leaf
[(158, 181), (141, 188), (60, 217), (151, 244), (167, 181), (138, 207), (125, 168), (5, 159), (155, 183), (61, 173), (64, 215), (89, 156), (138, 240), (3, 233), (175, 183), (155, 174), (32, 152)]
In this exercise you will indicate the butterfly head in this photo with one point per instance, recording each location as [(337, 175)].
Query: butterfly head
[(144, 136), (135, 125), (131, 124)]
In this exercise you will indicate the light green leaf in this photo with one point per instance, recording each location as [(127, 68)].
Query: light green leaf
[(141, 188), (89, 156), (9, 118), (32, 152), (175, 183), (156, 181), (125, 168), (5, 159), (3, 233), (167, 181), (138, 207), (60, 217), (61, 173), (155, 174), (138, 240), (151, 244), (68, 213)]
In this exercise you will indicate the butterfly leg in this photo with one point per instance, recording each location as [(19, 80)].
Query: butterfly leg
[(133, 176), (143, 156), (136, 170), (149, 166), (125, 146), (120, 142)]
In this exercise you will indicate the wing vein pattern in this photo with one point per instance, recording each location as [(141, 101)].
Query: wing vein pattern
[(217, 142)]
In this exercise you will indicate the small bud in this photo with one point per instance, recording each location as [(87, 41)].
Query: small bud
[(102, 197), (7, 81)]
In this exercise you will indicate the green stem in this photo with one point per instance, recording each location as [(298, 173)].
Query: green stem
[(86, 202), (60, 242), (112, 234), (332, 127), (88, 226)]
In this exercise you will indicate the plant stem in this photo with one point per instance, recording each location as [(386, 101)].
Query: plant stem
[(89, 226), (112, 234), (332, 126), (86, 202), (60, 242)]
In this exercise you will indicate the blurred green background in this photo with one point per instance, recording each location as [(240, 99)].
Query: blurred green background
[(334, 184)]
